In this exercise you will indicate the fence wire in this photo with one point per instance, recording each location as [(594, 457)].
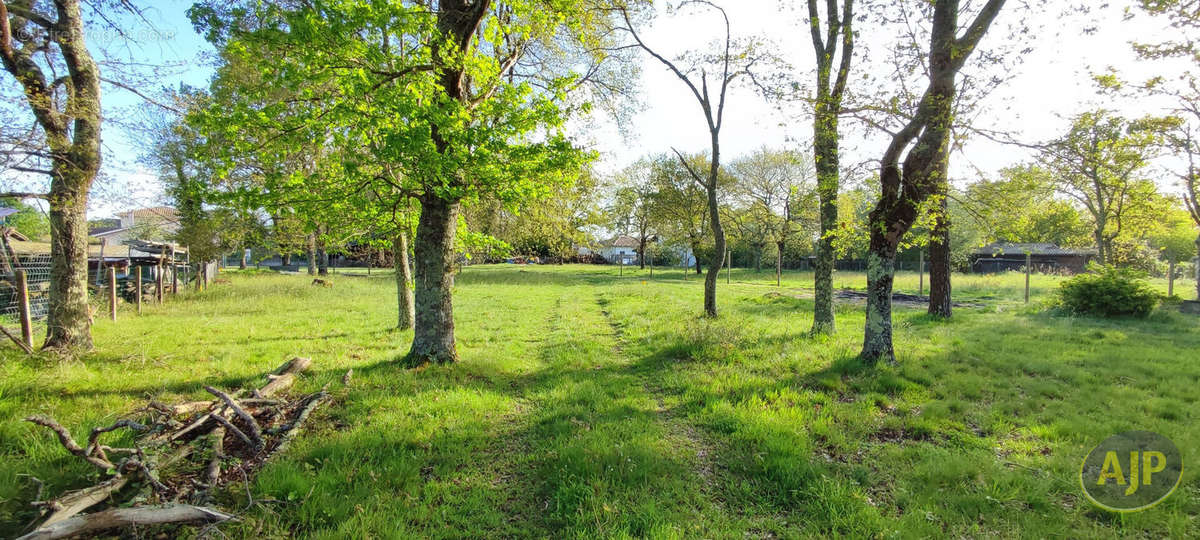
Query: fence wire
[(37, 276)]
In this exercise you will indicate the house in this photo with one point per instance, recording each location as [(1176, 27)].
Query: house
[(1043, 257), (143, 224), (620, 249)]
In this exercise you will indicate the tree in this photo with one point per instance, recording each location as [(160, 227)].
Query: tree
[(632, 211), (437, 91), (776, 186), (908, 184), (67, 110), (679, 203), (730, 65), (1022, 206), (1097, 163), (827, 110)]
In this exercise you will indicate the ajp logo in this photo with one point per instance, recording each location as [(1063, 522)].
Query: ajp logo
[(1131, 471)]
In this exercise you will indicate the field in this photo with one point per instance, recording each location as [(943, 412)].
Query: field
[(590, 405)]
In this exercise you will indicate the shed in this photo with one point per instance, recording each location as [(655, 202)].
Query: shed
[(1045, 258)]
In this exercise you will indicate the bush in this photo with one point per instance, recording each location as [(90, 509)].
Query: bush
[(1107, 291)]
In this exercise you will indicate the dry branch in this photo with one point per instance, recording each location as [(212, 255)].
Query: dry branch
[(123, 517), (163, 463), (20, 342), (255, 431)]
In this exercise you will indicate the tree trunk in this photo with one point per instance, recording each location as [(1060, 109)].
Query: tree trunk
[(286, 259), (311, 252), (404, 294), (1101, 256), (778, 264), (433, 336), (322, 259), (642, 253), (714, 268), (825, 150), (1197, 268), (939, 260), (881, 270), (68, 325), (242, 258), (758, 253)]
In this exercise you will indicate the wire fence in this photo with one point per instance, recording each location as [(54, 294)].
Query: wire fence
[(37, 275)]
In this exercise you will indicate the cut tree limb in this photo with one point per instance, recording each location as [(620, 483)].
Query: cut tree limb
[(69, 443), (255, 431), (77, 501), (124, 517)]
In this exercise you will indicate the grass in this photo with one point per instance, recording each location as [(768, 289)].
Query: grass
[(588, 405)]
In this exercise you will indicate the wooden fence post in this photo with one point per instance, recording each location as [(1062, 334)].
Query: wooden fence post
[(23, 305), (158, 283), (174, 272), (112, 293), (1171, 276), (651, 257), (1028, 269), (137, 291)]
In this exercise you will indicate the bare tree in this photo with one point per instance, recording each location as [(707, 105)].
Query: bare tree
[(730, 63)]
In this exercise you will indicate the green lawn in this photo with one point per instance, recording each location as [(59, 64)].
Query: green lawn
[(588, 405)]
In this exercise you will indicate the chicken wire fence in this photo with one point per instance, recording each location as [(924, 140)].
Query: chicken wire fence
[(37, 277)]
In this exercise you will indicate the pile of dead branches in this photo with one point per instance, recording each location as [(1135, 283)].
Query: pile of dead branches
[(180, 456)]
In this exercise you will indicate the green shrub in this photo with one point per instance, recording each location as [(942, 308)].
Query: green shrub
[(1107, 291)]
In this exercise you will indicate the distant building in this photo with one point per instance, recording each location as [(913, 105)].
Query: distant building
[(619, 249), (143, 224), (1044, 257)]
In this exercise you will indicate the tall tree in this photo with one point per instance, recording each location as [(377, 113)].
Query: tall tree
[(827, 110), (776, 186), (1097, 163), (733, 61), (679, 203), (923, 143), (444, 92), (67, 110)]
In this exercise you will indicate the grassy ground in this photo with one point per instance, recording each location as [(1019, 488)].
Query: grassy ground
[(588, 405)]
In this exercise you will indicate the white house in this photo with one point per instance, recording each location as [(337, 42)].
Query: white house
[(153, 224), (621, 249)]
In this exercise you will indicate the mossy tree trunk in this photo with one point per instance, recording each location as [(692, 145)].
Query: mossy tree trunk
[(906, 186), (939, 257), (71, 128), (406, 313), (826, 138)]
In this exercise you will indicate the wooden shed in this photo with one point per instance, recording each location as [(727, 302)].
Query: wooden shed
[(1045, 258)]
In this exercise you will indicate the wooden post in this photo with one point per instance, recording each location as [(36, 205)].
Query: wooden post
[(174, 272), (1171, 276), (1028, 269), (137, 291), (651, 257), (112, 293), (100, 265), (23, 306), (158, 283), (921, 270), (620, 264)]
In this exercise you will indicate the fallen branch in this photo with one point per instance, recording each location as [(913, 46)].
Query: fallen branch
[(124, 517), (293, 429), (255, 431), (77, 501), (64, 437), (20, 342)]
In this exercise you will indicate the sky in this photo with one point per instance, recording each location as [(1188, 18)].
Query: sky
[(1050, 83)]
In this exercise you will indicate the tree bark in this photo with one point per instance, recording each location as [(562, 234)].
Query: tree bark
[(696, 256), (714, 216), (642, 253), (322, 258), (72, 137), (242, 258), (406, 313), (939, 260), (1197, 268), (778, 264), (881, 268), (825, 150), (68, 324), (433, 335), (286, 259)]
